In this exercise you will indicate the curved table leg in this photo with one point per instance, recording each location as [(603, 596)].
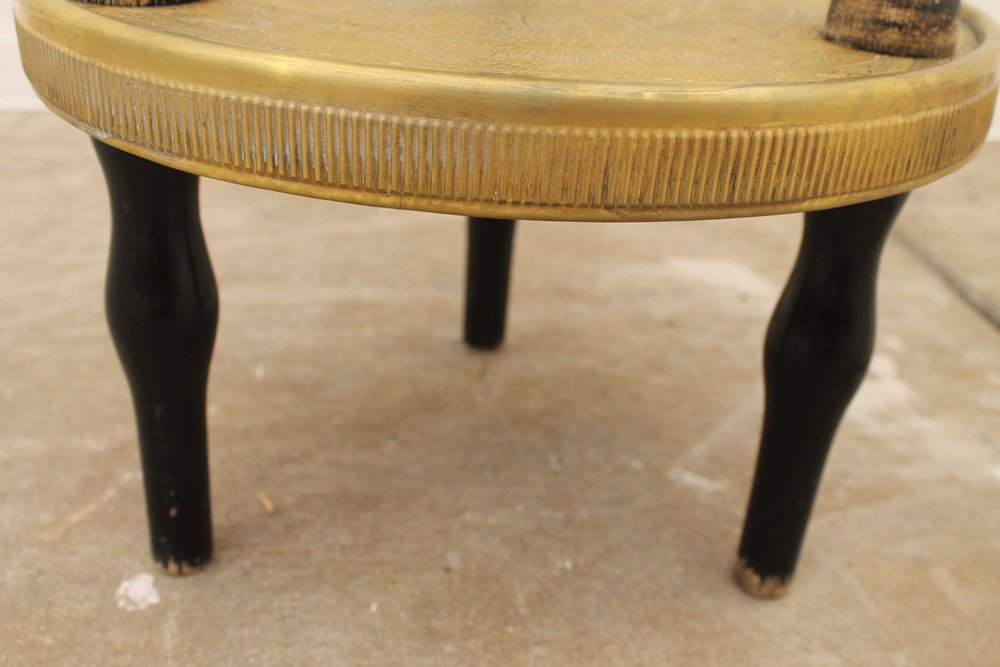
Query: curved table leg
[(817, 350), (487, 280), (162, 310)]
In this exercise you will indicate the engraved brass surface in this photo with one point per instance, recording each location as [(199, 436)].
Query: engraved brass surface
[(593, 110)]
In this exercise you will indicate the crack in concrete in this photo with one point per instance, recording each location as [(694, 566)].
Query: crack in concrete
[(965, 293)]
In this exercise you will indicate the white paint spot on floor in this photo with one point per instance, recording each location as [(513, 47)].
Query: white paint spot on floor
[(994, 472), (259, 373), (137, 593), (566, 565), (952, 591), (170, 638), (521, 602), (95, 445), (883, 393), (452, 561), (693, 480), (893, 343), (373, 608), (59, 531), (722, 273)]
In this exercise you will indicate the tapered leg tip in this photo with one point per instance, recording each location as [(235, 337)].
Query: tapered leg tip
[(754, 585), (484, 341), (183, 568)]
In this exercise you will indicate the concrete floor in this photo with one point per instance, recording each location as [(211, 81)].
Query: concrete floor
[(574, 499)]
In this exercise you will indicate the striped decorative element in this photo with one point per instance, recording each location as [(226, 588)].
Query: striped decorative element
[(470, 167), (135, 3), (915, 28)]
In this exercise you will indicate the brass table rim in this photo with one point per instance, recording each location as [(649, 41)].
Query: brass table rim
[(517, 111)]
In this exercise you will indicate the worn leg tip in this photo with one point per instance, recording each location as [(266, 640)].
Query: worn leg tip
[(754, 585), (182, 568)]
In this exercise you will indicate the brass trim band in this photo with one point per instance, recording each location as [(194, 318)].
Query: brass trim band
[(516, 170)]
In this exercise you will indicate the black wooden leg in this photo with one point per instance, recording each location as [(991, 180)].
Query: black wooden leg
[(487, 279), (162, 309), (817, 350)]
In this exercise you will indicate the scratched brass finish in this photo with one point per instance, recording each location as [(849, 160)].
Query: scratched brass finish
[(625, 110)]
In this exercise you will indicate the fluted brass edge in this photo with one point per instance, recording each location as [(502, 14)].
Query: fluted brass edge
[(474, 167)]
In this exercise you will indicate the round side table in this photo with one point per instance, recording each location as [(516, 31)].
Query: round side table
[(633, 110)]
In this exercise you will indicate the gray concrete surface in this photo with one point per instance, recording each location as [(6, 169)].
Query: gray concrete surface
[(574, 499)]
